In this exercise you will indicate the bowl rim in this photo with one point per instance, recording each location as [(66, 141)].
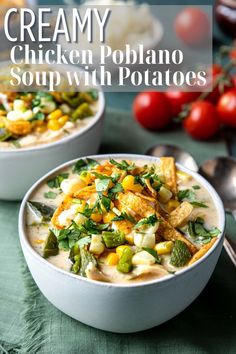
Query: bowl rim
[(41, 147), (214, 195)]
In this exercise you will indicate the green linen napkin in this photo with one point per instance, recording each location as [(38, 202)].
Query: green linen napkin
[(30, 324)]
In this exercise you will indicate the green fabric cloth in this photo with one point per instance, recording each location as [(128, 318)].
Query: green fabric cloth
[(30, 324)]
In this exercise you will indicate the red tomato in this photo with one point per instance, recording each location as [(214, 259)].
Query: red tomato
[(192, 26), (232, 54), (226, 83), (178, 99), (152, 110), (202, 121), (227, 108), (233, 79)]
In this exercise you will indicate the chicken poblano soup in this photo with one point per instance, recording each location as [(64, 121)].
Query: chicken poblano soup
[(28, 119), (122, 221)]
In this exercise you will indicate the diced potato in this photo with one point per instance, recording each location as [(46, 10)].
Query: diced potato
[(80, 218), (164, 247), (164, 195), (144, 240), (19, 105), (183, 176), (143, 257), (47, 106), (130, 238), (172, 205), (96, 245)]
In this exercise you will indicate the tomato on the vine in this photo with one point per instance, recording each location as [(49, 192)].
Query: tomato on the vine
[(178, 99), (192, 26), (216, 73), (202, 121), (226, 108), (152, 110)]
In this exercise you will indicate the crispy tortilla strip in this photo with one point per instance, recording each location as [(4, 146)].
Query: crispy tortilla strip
[(146, 197), (85, 193), (179, 217), (169, 233), (124, 226), (65, 204), (203, 250), (168, 170), (106, 168), (135, 205)]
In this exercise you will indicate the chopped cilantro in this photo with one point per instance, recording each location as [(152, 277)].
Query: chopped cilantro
[(102, 184), (150, 220), (84, 165), (124, 216), (123, 165), (50, 195), (199, 233), (190, 196), (55, 182), (196, 187)]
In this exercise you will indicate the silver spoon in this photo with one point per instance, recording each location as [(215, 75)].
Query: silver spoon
[(180, 156), (220, 172)]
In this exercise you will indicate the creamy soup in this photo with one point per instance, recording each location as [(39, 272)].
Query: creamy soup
[(36, 118), (122, 221)]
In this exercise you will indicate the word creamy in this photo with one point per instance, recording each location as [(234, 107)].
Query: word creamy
[(28, 19)]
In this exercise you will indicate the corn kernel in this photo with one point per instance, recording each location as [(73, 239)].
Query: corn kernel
[(39, 242), (172, 205), (120, 249), (62, 120), (96, 217), (130, 238), (55, 115), (164, 247), (108, 217), (2, 122), (128, 183), (54, 125), (112, 259), (81, 206)]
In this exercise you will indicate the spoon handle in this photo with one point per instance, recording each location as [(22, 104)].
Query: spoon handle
[(229, 246), (230, 250)]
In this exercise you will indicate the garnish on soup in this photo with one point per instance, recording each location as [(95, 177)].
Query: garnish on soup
[(41, 117), (121, 221)]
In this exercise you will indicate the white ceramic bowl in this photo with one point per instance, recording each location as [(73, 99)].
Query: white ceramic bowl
[(122, 308), (22, 167)]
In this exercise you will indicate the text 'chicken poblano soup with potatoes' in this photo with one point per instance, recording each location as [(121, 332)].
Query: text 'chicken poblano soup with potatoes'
[(122, 221)]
